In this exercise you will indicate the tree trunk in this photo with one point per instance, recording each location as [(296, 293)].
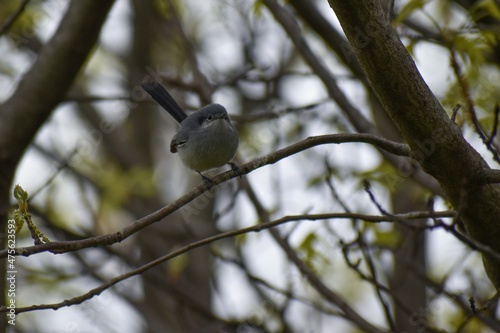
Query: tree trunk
[(436, 141)]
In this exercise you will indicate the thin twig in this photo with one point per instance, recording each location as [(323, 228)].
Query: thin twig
[(455, 111), (96, 98), (387, 309), (62, 166), (472, 111), (34, 235), (277, 113), (366, 254), (367, 187), (472, 243), (495, 126)]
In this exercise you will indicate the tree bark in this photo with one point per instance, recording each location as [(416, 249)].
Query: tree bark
[(436, 141)]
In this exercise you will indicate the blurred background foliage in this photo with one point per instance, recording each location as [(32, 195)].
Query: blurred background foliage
[(101, 161)]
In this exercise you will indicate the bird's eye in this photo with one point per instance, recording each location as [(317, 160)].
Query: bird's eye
[(210, 117)]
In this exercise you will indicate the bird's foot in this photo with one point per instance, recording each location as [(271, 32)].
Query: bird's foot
[(207, 181), (236, 169)]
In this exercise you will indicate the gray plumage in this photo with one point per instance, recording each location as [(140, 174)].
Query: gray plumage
[(206, 139)]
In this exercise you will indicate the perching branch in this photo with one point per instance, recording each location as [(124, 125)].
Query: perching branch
[(109, 239)]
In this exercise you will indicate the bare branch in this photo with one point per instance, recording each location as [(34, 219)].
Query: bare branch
[(229, 234), (495, 126), (455, 112), (472, 243), (464, 86), (109, 239), (367, 187)]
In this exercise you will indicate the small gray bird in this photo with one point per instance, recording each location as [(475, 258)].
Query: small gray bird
[(206, 139)]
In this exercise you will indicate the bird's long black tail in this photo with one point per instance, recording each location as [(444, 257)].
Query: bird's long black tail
[(161, 95)]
